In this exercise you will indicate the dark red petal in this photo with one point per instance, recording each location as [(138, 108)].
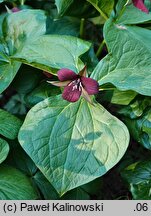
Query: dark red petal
[(140, 5), (90, 85), (70, 93), (66, 74)]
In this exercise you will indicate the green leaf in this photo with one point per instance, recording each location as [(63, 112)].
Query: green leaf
[(94, 187), (133, 15), (76, 194), (20, 160), (103, 6), (136, 108), (4, 149), (138, 120), (18, 29), (51, 52), (72, 143), (122, 97), (23, 27), (64, 26), (128, 64), (138, 177), (16, 105), (2, 16), (63, 5), (8, 71), (15, 185), (9, 125), (140, 129), (146, 130)]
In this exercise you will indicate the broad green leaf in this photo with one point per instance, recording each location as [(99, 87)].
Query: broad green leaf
[(18, 29), (133, 15), (43, 91), (138, 177), (8, 71), (122, 97), (63, 5), (15, 185), (72, 143), (23, 27), (103, 6), (4, 149), (51, 52), (128, 64), (9, 125)]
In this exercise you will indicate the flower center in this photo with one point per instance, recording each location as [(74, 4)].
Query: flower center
[(76, 84)]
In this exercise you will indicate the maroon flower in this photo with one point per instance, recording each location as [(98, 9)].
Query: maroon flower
[(76, 85), (140, 5), (15, 9)]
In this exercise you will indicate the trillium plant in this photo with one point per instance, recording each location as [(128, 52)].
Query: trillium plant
[(75, 88), (76, 85)]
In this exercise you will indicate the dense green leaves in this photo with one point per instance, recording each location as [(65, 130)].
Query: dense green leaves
[(120, 67), (4, 149), (9, 125), (138, 177), (43, 91), (51, 52), (16, 105), (103, 6), (15, 185), (137, 116), (80, 143)]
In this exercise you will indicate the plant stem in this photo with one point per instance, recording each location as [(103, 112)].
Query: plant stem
[(100, 48), (22, 2), (82, 28)]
